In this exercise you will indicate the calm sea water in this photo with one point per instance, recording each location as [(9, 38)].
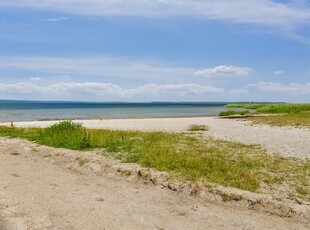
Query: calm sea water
[(29, 111)]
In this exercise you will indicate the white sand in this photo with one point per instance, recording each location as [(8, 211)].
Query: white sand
[(287, 141)]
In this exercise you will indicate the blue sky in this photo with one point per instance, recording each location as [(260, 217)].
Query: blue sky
[(155, 50)]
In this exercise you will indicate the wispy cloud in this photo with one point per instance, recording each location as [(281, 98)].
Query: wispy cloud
[(261, 12), (100, 90), (293, 88), (104, 91), (154, 71), (223, 70), (57, 19), (278, 72), (35, 78)]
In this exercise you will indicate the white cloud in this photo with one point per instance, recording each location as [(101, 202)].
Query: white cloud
[(223, 70), (108, 89), (261, 12), (278, 72), (274, 87), (35, 78), (57, 19)]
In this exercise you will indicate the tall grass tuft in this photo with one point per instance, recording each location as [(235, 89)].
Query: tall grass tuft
[(65, 134)]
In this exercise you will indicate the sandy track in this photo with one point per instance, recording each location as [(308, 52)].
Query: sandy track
[(36, 193), (282, 140)]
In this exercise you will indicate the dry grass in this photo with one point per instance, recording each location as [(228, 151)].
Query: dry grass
[(297, 120)]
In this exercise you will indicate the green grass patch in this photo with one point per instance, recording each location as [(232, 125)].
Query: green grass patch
[(196, 127), (245, 106), (233, 112), (297, 115), (273, 108), (284, 108), (66, 134), (195, 158)]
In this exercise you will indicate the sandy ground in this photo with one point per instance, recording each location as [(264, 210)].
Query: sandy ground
[(38, 192), (282, 140)]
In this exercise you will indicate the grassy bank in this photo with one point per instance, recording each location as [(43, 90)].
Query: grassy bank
[(245, 106), (226, 163), (297, 120), (297, 115), (273, 108)]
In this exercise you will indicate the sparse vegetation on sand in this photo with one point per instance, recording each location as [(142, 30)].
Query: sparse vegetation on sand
[(194, 157), (196, 127), (296, 120), (297, 115)]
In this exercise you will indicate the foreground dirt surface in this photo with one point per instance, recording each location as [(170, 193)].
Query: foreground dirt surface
[(37, 192)]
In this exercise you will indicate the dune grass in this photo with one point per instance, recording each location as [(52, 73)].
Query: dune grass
[(245, 106), (298, 120), (284, 108), (297, 115), (273, 108), (233, 112), (226, 163), (196, 127)]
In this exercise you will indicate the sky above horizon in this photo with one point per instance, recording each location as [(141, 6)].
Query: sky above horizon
[(155, 50)]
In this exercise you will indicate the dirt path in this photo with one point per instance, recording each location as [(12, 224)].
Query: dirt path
[(37, 193)]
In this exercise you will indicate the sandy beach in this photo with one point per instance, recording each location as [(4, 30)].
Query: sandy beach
[(45, 188), (287, 141)]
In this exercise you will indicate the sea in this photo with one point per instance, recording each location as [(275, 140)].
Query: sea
[(42, 110)]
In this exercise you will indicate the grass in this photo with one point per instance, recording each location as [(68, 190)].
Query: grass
[(245, 106), (296, 120), (297, 115), (73, 136), (273, 108), (226, 163), (196, 127), (233, 112)]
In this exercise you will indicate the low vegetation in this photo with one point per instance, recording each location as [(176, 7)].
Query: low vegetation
[(284, 108), (245, 106), (196, 127), (233, 113), (297, 120), (297, 115), (226, 163)]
